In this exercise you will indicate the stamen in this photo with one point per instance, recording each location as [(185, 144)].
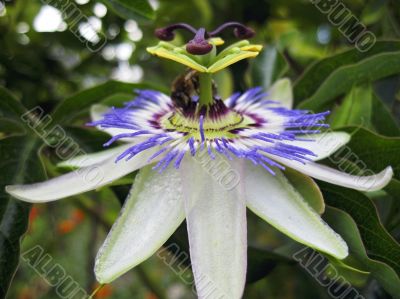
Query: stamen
[(199, 45), (167, 33), (179, 159), (202, 129), (227, 129), (240, 31)]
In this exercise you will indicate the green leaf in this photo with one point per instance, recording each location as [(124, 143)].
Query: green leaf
[(362, 107), (370, 151), (131, 9), (11, 111), (260, 263), (90, 139), (383, 121), (267, 67), (19, 164), (307, 187), (330, 77), (355, 110), (343, 224), (11, 126), (9, 106), (379, 243), (79, 103)]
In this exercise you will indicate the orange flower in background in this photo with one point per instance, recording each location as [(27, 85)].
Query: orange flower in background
[(25, 294), (67, 226), (151, 296), (78, 215), (105, 292), (33, 214)]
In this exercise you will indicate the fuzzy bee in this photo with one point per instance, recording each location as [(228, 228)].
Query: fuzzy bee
[(185, 88)]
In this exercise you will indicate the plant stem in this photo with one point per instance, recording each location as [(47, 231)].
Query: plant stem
[(96, 291), (206, 93)]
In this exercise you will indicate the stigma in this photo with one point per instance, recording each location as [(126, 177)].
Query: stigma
[(200, 45)]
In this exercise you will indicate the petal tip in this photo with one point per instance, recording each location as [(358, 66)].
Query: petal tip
[(101, 276), (346, 137), (343, 252), (16, 191), (380, 180)]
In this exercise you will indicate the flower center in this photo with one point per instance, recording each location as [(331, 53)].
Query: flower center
[(216, 122)]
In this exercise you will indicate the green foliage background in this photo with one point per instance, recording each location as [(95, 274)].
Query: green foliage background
[(57, 72)]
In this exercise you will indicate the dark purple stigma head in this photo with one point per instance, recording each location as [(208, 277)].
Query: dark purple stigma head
[(199, 45)]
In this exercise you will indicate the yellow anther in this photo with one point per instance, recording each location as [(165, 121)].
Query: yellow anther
[(252, 48), (216, 41)]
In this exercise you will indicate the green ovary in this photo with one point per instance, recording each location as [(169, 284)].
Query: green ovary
[(214, 128)]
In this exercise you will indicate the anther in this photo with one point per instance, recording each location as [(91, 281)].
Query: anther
[(240, 31), (167, 33)]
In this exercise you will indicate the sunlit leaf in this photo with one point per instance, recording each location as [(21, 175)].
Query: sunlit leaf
[(333, 76), (131, 9)]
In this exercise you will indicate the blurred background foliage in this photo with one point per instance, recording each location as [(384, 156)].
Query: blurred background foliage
[(43, 63)]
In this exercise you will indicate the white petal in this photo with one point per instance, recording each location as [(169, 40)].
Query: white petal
[(324, 173), (97, 111), (216, 221), (281, 91), (275, 200), (323, 145), (90, 159), (152, 212), (80, 180)]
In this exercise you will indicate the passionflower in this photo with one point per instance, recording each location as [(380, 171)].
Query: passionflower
[(205, 159)]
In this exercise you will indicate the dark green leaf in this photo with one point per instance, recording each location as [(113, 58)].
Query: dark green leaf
[(393, 188), (89, 139), (81, 102), (260, 263), (131, 9), (379, 243), (9, 106), (11, 126), (370, 151), (333, 76), (343, 224), (382, 119), (19, 164)]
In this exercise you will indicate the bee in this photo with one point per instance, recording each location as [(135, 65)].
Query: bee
[(186, 88)]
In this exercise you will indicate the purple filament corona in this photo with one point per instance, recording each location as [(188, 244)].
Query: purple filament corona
[(269, 133)]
